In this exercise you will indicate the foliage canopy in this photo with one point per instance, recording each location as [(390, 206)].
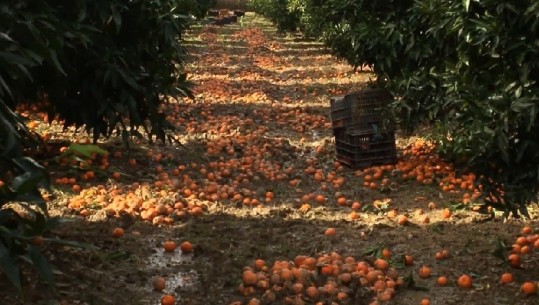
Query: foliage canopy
[(469, 68)]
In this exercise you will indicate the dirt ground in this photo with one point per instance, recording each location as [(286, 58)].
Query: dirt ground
[(262, 99)]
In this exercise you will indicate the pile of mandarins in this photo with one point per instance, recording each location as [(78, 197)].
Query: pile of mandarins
[(318, 280)]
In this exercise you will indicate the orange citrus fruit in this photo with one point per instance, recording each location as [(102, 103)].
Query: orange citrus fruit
[(506, 278), (330, 232), (169, 246), (168, 299), (186, 247), (424, 272), (465, 281), (159, 283), (529, 288), (118, 232)]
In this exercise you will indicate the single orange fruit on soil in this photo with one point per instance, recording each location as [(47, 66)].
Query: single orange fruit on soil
[(118, 232), (259, 264), (374, 275), (330, 232), (354, 215), (506, 278), (326, 270), (525, 250), (424, 272), (446, 213), (424, 302), (249, 278), (320, 198), (386, 253), (529, 288), (521, 241), (168, 299), (312, 292), (408, 260), (514, 260), (403, 220), (116, 175), (186, 247), (169, 246), (445, 253), (76, 188), (442, 281), (527, 230), (381, 264), (197, 211), (159, 283), (465, 281), (341, 201)]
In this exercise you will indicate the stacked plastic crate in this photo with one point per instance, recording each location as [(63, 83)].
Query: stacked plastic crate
[(361, 139)]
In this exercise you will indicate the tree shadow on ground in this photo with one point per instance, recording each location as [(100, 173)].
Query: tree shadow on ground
[(232, 237)]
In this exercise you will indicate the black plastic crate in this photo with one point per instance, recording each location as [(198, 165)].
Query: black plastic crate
[(364, 148), (359, 109), (239, 13)]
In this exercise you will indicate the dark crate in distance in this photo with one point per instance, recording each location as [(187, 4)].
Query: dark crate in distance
[(359, 109), (361, 149)]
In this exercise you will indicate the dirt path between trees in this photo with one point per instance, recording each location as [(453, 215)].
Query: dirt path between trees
[(255, 178)]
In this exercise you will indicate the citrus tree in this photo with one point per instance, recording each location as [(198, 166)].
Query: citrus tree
[(101, 65), (468, 68), (284, 16)]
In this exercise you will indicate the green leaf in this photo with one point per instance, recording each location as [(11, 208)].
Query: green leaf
[(26, 182), (117, 19), (54, 222), (5, 86), (4, 36), (54, 57), (41, 265), (520, 105), (15, 59), (518, 92), (29, 165), (74, 244), (85, 150), (9, 267), (466, 4), (37, 224), (118, 255)]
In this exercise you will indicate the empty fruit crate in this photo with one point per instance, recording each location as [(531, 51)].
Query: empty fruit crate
[(359, 109)]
